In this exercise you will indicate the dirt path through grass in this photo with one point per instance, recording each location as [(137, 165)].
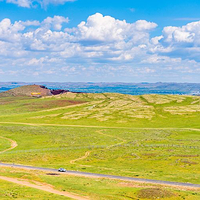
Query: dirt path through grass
[(108, 147), (13, 144), (44, 187), (115, 137), (101, 127), (81, 158)]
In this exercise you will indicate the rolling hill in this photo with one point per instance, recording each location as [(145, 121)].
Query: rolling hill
[(144, 136), (100, 109)]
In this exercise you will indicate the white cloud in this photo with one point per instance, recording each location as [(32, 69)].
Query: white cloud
[(30, 23), (177, 34), (143, 25), (55, 22), (43, 3), (161, 59), (10, 32), (100, 38), (98, 41), (101, 28), (189, 33), (156, 40), (21, 3), (183, 42)]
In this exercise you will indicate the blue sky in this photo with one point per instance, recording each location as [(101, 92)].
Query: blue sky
[(107, 41)]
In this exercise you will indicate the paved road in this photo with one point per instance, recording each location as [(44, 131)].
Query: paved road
[(77, 173)]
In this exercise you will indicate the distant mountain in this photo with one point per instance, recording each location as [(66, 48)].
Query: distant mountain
[(124, 88)]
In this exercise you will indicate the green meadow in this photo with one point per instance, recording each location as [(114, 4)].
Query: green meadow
[(143, 153), (148, 136), (109, 110), (93, 188)]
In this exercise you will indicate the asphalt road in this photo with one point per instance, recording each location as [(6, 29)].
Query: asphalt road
[(77, 173)]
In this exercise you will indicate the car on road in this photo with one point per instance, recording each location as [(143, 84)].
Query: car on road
[(62, 170)]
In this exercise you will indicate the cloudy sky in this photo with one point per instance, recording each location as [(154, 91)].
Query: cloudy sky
[(92, 40)]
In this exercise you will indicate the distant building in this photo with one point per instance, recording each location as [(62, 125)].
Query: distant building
[(36, 94)]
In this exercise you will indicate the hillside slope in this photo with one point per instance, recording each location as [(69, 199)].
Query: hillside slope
[(27, 90), (105, 109), (32, 90)]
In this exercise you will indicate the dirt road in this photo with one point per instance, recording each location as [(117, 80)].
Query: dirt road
[(44, 187), (104, 127), (13, 144)]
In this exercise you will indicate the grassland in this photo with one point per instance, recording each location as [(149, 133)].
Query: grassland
[(157, 154), (156, 111), (98, 189), (148, 136), (13, 191)]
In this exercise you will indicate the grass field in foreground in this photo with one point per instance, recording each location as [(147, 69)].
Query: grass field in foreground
[(14, 191), (97, 189), (143, 153)]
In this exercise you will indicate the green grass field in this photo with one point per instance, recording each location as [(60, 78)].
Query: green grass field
[(98, 189), (105, 110), (149, 136), (156, 154)]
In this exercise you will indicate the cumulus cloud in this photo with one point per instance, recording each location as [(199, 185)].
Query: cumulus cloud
[(100, 38), (55, 22), (99, 41), (9, 31), (107, 29), (189, 33), (181, 42), (30, 23)]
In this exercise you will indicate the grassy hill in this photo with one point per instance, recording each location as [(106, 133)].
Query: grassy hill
[(147, 136), (105, 109), (26, 90)]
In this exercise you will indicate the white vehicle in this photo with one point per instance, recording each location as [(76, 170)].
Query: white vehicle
[(62, 170)]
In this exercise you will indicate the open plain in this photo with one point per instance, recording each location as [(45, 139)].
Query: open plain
[(148, 136)]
